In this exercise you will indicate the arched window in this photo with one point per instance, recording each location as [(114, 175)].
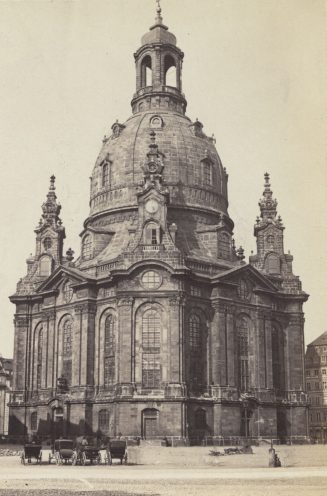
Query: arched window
[(151, 341), (243, 353), (47, 243), (106, 172), (39, 359), (207, 173), (152, 234), (273, 264), (34, 421), (170, 72), (223, 246), (146, 71), (87, 247), (45, 266), (109, 351), (67, 351), (103, 421), (195, 332), (277, 354), (196, 351)]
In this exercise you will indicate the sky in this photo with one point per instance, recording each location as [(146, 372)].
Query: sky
[(254, 74)]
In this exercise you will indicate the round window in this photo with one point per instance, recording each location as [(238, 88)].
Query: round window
[(151, 279)]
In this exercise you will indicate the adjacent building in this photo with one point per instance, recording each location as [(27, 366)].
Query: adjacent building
[(316, 379), (159, 328), (6, 375)]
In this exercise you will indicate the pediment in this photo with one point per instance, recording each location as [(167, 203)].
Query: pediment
[(63, 273), (248, 274)]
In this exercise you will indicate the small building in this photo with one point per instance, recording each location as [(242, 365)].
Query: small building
[(316, 379), (6, 373)]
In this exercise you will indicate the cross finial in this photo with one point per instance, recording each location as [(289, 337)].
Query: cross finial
[(158, 17)]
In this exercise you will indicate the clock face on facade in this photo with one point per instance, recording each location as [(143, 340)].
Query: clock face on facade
[(151, 206)]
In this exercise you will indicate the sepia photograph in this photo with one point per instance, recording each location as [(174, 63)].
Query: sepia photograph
[(163, 328)]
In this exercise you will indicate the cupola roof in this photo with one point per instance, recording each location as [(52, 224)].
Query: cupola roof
[(158, 32)]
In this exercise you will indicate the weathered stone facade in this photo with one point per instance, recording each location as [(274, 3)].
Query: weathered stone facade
[(159, 328), (316, 379), (6, 374)]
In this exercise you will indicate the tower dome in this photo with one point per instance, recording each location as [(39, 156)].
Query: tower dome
[(193, 173)]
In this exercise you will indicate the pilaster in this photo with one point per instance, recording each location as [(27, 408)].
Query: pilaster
[(125, 307)]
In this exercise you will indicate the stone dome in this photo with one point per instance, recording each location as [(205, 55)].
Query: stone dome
[(193, 172)]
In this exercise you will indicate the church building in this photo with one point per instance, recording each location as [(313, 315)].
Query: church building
[(160, 328)]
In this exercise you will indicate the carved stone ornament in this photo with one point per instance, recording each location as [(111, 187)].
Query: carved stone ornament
[(126, 301), (21, 321), (50, 315)]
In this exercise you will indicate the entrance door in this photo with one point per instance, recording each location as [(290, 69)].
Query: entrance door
[(150, 423), (57, 423)]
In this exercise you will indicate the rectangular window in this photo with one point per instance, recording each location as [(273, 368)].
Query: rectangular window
[(311, 417), (316, 386), (308, 373), (316, 372), (109, 370), (195, 291), (318, 416), (308, 386), (207, 179), (151, 370), (317, 400), (323, 371), (154, 240)]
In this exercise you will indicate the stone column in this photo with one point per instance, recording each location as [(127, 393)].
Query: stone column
[(157, 70), (230, 346), (219, 355), (21, 323), (84, 335), (176, 340), (259, 352), (125, 307), (49, 346), (295, 352)]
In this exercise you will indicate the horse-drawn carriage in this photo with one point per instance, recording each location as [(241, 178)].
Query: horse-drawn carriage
[(31, 451), (116, 448), (63, 451), (85, 454)]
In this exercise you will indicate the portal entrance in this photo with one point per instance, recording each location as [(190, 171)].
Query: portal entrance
[(57, 422), (150, 423)]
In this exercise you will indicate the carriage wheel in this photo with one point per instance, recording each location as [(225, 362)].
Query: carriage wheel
[(83, 459), (125, 458), (74, 459), (22, 459), (98, 459), (109, 459), (50, 458)]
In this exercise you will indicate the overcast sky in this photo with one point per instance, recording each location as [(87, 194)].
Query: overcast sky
[(254, 74)]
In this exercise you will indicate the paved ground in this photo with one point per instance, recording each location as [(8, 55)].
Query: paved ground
[(163, 479)]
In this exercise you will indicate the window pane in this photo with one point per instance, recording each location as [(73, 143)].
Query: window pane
[(109, 351), (151, 339), (87, 248)]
